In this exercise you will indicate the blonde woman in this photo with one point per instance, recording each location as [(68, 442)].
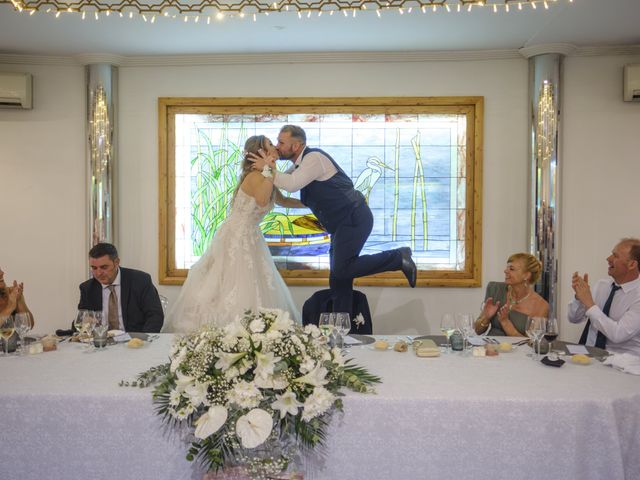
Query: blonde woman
[(236, 272), (508, 304)]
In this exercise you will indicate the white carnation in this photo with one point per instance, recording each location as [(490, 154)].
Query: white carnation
[(317, 403)]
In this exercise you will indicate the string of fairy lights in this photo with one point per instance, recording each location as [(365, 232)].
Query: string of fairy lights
[(207, 11)]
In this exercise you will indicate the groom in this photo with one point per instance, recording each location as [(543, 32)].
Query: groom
[(340, 208)]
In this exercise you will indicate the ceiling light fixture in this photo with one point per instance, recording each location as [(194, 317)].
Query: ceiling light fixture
[(238, 8)]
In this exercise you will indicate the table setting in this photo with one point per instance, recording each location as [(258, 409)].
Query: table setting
[(439, 416)]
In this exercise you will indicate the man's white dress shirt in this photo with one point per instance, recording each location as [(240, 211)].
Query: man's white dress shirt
[(622, 326)]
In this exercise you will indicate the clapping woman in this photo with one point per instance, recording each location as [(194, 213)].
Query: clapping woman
[(12, 299), (508, 304)]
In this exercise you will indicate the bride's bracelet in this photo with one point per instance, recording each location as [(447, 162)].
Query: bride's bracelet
[(266, 172)]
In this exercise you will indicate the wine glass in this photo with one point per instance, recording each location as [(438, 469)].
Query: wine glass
[(326, 324), (535, 329), (447, 327), (465, 323), (7, 327), (22, 323), (343, 325), (77, 322), (550, 334)]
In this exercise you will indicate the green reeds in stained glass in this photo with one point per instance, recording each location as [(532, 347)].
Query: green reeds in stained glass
[(214, 172)]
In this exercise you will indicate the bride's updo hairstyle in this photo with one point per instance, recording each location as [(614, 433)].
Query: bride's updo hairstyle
[(252, 145)]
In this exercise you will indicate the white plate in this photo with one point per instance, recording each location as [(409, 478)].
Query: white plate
[(115, 333)]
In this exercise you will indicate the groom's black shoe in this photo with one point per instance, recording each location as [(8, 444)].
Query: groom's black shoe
[(408, 266)]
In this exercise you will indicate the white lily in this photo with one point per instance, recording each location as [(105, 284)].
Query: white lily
[(211, 421), (265, 363), (282, 322), (178, 358), (197, 393), (183, 381), (315, 377), (254, 428), (225, 360), (274, 382), (286, 403)]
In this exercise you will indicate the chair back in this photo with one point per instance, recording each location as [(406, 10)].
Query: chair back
[(321, 301)]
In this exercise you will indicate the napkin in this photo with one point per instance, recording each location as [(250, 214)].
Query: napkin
[(626, 362)]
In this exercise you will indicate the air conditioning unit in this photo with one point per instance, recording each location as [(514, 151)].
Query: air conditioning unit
[(632, 83), (16, 90)]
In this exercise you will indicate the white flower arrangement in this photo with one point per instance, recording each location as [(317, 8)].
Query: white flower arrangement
[(260, 381)]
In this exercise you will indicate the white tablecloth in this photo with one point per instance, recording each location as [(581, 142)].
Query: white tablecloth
[(449, 417)]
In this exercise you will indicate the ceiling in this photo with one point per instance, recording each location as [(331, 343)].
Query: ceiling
[(584, 23)]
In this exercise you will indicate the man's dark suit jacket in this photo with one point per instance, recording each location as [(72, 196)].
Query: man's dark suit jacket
[(141, 307)]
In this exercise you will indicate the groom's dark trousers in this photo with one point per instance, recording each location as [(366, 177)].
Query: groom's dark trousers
[(344, 213)]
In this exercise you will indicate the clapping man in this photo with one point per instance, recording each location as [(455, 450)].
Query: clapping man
[(126, 297), (612, 310)]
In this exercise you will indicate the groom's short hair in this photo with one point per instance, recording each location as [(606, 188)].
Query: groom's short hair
[(295, 132)]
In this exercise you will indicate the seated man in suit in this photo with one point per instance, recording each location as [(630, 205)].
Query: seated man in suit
[(126, 297)]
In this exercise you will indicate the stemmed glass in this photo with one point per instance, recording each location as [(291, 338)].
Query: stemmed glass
[(79, 320), (550, 334), (6, 330), (447, 327), (536, 327), (465, 323), (22, 323), (343, 325), (326, 324), (100, 330)]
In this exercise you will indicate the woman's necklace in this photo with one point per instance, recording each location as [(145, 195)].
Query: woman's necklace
[(512, 300)]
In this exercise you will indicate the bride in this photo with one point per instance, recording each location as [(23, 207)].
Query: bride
[(236, 272)]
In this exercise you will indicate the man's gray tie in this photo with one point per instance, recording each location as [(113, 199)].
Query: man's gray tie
[(114, 324)]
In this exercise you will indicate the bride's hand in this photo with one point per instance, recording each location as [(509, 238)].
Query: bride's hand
[(261, 159)]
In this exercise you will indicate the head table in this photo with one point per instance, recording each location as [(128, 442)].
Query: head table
[(505, 417)]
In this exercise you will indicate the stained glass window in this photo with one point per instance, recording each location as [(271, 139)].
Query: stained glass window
[(417, 165)]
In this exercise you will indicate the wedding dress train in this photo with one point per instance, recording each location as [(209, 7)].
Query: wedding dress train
[(235, 273)]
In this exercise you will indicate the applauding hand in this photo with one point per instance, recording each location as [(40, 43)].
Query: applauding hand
[(582, 289)]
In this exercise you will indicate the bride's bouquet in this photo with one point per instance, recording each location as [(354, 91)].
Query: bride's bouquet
[(254, 393)]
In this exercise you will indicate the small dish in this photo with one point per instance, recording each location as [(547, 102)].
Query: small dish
[(115, 333), (371, 347)]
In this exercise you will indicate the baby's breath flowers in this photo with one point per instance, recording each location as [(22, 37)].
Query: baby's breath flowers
[(255, 392)]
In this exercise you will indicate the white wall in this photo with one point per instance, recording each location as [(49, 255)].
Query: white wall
[(42, 169)]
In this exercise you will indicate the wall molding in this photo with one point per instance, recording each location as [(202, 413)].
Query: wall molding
[(304, 57)]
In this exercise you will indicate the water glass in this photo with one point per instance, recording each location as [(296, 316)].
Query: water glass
[(22, 323), (465, 323), (326, 324), (447, 327), (342, 325), (535, 329)]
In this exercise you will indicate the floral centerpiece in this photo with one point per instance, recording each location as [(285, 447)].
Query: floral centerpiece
[(254, 393)]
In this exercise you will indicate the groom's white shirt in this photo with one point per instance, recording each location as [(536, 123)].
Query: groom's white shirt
[(315, 167)]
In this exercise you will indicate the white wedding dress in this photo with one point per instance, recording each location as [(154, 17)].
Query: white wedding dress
[(235, 273)]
